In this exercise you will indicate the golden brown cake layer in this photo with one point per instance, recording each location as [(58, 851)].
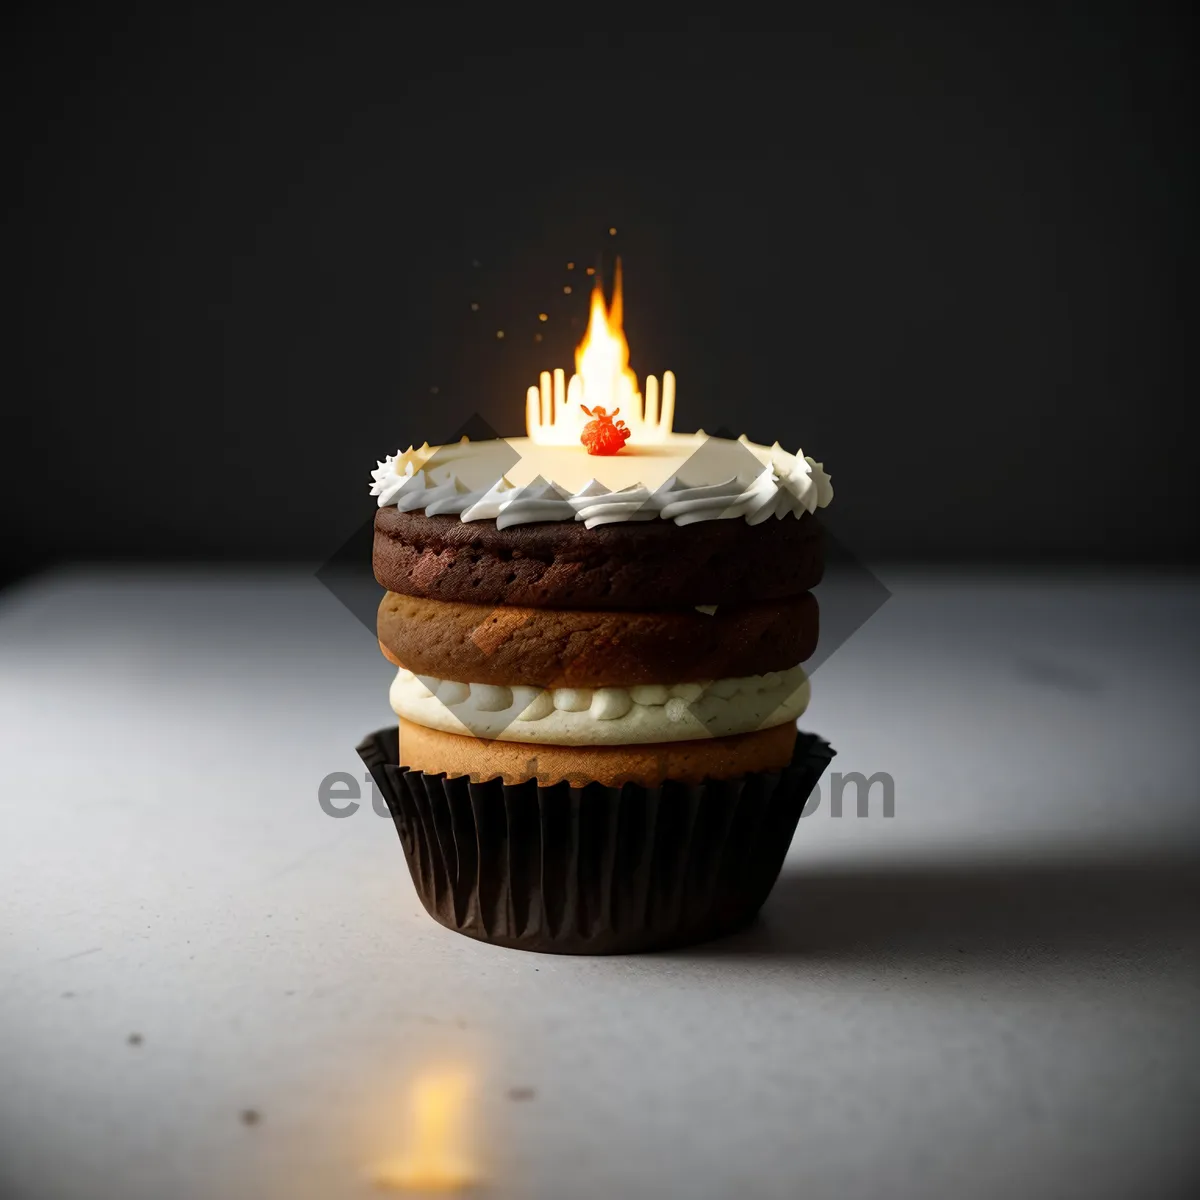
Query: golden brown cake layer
[(435, 753), (479, 643)]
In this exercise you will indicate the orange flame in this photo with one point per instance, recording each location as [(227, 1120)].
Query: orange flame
[(602, 358)]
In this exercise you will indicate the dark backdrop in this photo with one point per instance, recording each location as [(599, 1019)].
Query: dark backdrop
[(942, 250)]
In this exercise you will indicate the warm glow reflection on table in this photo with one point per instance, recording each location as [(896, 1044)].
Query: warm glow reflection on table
[(436, 1136)]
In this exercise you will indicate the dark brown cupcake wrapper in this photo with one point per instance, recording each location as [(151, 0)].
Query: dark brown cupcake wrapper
[(594, 870)]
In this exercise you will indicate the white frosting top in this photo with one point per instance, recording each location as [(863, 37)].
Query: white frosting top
[(601, 716), (690, 477)]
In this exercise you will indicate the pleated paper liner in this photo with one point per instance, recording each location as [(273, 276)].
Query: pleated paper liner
[(594, 870)]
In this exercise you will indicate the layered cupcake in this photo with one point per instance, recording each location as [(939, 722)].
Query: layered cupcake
[(599, 633)]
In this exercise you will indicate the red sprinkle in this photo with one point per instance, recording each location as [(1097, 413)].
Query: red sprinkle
[(601, 435)]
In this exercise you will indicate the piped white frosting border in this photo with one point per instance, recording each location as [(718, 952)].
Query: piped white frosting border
[(787, 484)]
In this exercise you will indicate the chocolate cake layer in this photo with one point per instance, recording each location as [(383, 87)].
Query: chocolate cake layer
[(481, 643), (626, 565)]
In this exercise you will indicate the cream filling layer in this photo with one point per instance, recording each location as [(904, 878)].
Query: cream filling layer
[(609, 716)]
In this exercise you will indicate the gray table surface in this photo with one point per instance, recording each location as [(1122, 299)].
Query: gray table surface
[(991, 993)]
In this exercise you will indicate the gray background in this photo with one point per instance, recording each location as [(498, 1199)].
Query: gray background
[(941, 249), (944, 250)]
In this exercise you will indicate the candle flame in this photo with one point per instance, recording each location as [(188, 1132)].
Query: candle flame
[(602, 359), (554, 410), (437, 1160)]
